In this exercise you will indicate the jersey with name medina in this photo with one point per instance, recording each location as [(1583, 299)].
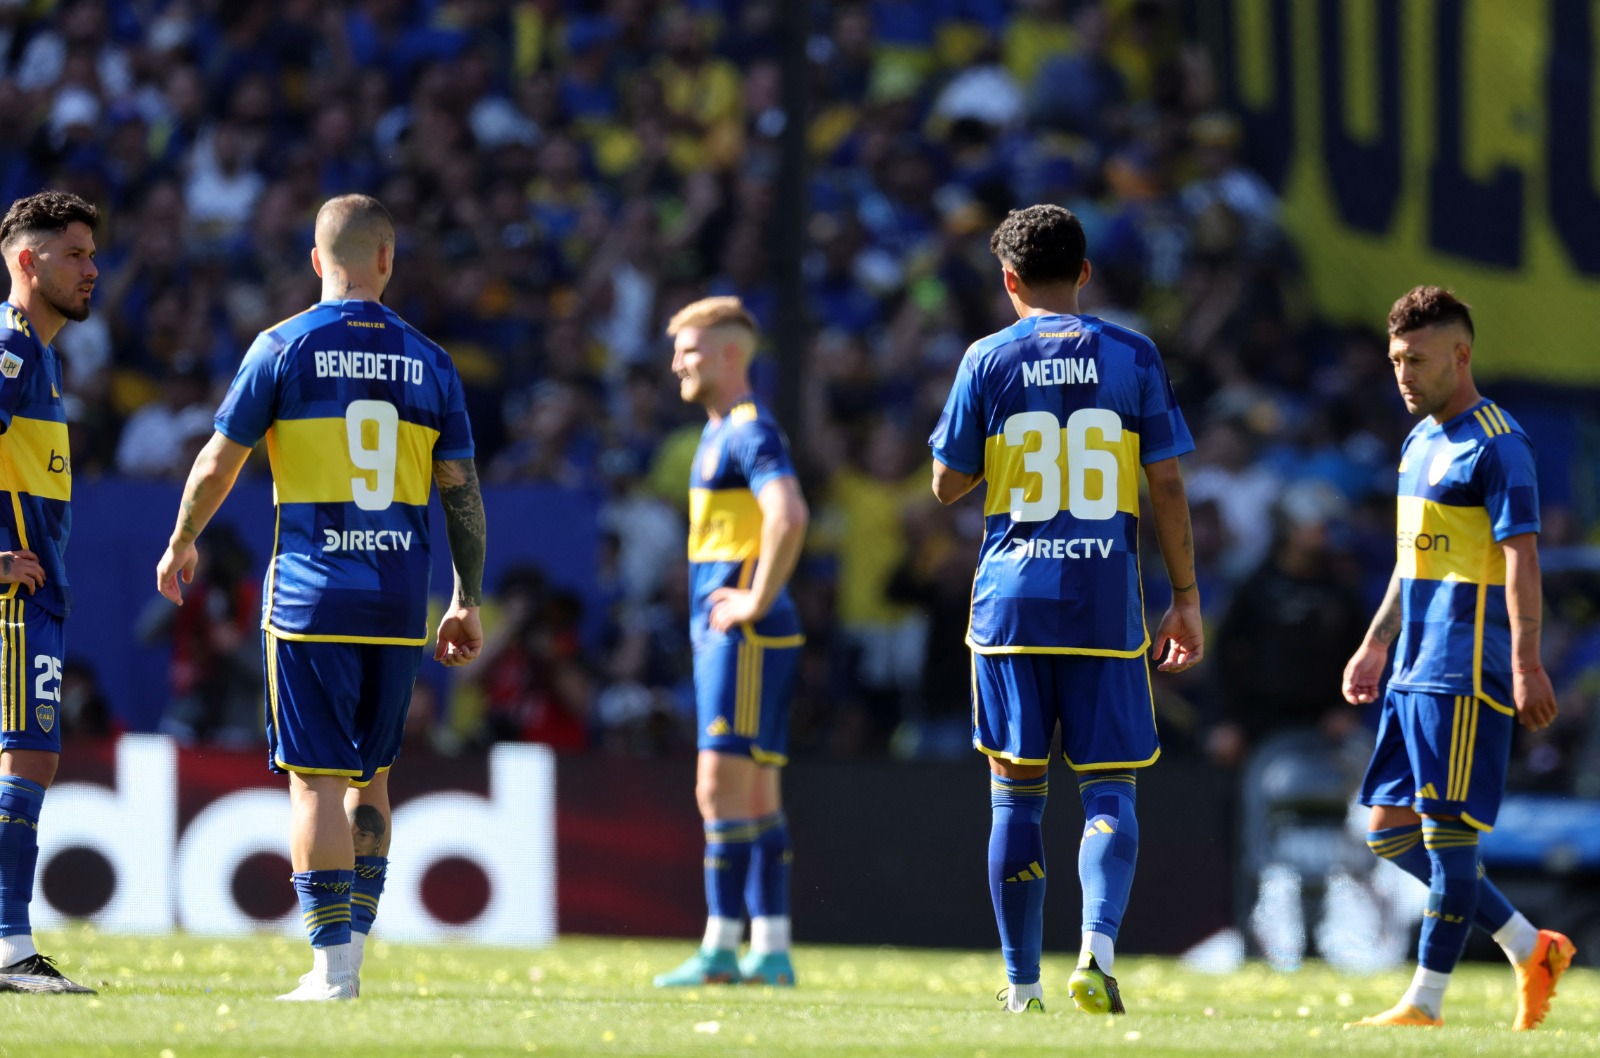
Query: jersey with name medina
[(355, 405), (1058, 413), (1465, 485), (35, 462), (737, 458)]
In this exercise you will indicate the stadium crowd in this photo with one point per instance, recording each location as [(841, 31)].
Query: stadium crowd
[(566, 173)]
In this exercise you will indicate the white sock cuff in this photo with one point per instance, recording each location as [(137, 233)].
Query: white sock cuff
[(1102, 947), (1426, 978), (769, 933), (723, 934), (16, 947), (1517, 938)]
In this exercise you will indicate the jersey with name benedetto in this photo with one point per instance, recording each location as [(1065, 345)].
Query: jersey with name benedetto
[(1465, 485), (356, 405), (1058, 413), (35, 463)]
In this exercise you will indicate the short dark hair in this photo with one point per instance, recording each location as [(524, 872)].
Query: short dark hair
[(49, 211), (1427, 306), (1041, 244), (351, 228)]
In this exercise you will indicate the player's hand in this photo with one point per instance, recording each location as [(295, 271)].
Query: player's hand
[(1535, 699), (1181, 628), (460, 637), (1362, 673), (731, 607), (21, 567), (179, 560)]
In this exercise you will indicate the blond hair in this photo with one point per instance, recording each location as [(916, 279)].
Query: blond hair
[(714, 312)]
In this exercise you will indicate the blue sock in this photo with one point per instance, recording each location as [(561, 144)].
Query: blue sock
[(766, 892), (1110, 848), (20, 802), (371, 871), (325, 905), (728, 846), (1016, 871), (1402, 846), (1452, 892)]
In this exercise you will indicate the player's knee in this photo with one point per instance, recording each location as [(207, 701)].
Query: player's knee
[(38, 766)]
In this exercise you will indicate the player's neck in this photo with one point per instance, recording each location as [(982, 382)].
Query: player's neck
[(345, 291), (717, 408), (1466, 396), (1064, 303), (45, 320)]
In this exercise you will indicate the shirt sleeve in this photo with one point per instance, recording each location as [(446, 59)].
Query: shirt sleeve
[(1510, 486), (958, 437), (758, 449), (18, 359), (252, 400), (455, 433), (1162, 432)]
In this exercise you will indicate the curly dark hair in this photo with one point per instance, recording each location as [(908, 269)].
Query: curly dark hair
[(1426, 306), (1041, 244), (48, 211)]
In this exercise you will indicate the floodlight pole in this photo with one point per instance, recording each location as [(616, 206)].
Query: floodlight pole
[(789, 235)]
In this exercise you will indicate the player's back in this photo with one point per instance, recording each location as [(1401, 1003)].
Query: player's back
[(1059, 413), (355, 405)]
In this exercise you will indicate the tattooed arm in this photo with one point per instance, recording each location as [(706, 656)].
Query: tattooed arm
[(1532, 694), (1365, 667), (460, 634), (1181, 625), (215, 470)]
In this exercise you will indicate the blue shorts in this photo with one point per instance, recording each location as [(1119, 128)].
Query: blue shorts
[(1104, 706), (742, 690), (32, 644), (336, 708), (1441, 754)]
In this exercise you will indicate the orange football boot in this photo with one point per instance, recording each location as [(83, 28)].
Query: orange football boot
[(1537, 977)]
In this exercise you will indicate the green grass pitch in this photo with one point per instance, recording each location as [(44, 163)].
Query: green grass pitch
[(188, 997)]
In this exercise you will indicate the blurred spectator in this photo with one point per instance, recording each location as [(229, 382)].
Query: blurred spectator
[(215, 673), (531, 676), (161, 439), (1281, 650)]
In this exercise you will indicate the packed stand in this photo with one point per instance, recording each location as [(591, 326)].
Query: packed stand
[(567, 173)]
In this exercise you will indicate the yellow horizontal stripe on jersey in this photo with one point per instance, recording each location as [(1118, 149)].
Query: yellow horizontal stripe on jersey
[(1005, 467), (36, 459), (1436, 541), (311, 462), (724, 525)]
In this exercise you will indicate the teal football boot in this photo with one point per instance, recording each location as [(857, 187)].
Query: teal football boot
[(707, 966)]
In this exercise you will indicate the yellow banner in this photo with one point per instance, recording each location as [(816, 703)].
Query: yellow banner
[(1433, 141)]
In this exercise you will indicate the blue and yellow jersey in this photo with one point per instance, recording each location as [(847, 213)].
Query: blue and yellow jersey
[(1058, 413), (35, 463), (356, 405), (737, 458), (1465, 486)]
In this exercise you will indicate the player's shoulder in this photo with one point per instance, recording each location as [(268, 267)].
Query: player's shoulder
[(996, 346), (14, 326), (419, 343), (1138, 345), (17, 343), (301, 324), (750, 419)]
